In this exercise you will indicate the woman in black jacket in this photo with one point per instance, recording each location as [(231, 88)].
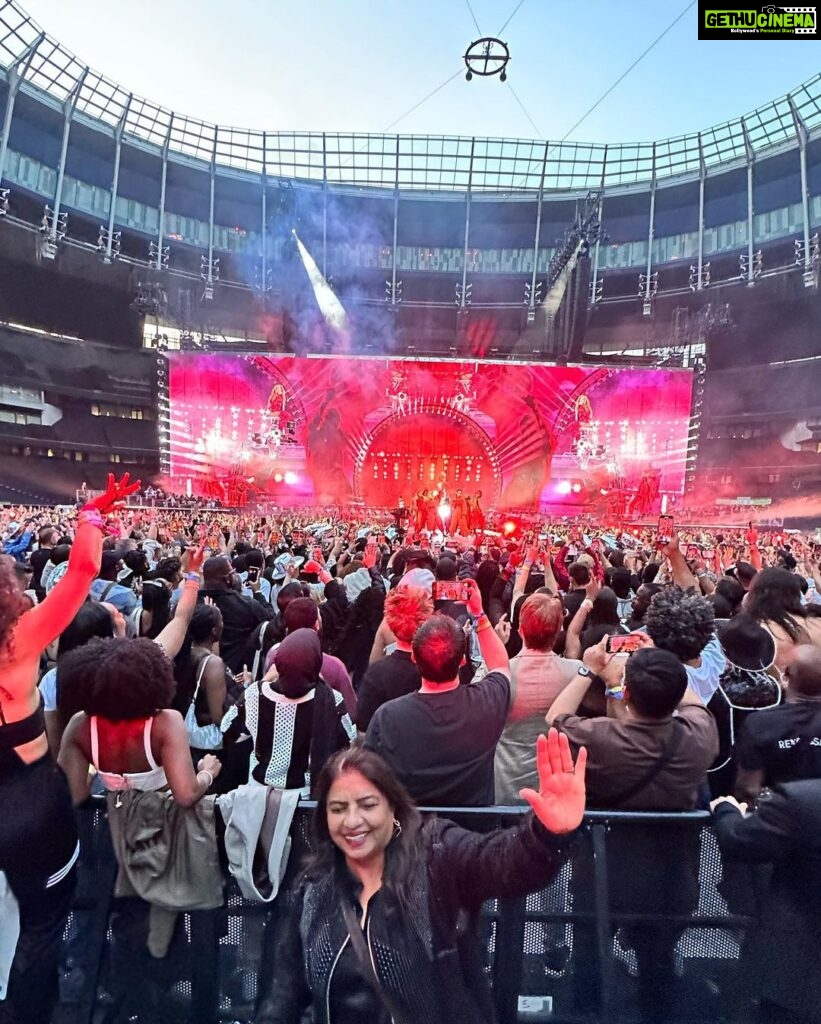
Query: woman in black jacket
[(384, 913)]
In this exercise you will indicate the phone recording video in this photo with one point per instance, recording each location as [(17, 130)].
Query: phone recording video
[(665, 529), (626, 644), (451, 590), (253, 573)]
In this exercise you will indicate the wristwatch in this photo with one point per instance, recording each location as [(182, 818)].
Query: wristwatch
[(583, 670)]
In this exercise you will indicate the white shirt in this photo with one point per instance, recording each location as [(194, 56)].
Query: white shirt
[(704, 679)]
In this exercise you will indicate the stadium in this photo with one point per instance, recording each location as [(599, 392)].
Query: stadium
[(273, 329)]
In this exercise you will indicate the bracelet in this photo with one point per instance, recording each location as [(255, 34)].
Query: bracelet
[(192, 577), (527, 565), (91, 517), (204, 771), (587, 603), (483, 622)]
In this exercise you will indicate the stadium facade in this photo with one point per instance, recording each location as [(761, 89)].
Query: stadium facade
[(127, 224)]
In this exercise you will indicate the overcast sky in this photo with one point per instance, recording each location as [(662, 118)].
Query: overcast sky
[(359, 65)]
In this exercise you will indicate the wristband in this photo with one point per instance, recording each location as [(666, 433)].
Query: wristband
[(483, 622), (204, 771), (90, 516), (587, 603), (192, 577), (527, 565)]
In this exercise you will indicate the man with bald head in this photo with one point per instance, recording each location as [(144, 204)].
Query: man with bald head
[(783, 744)]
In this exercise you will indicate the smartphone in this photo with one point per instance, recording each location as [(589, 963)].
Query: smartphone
[(381, 538), (693, 551), (253, 573), (664, 533), (451, 590), (624, 644)]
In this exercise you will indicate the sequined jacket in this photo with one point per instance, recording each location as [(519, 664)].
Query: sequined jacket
[(426, 957)]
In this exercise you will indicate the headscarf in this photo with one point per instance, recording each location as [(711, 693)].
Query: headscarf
[(298, 661)]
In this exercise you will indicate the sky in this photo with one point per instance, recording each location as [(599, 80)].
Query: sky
[(361, 65)]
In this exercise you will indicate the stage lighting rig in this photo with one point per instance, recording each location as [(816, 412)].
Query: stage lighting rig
[(487, 57), (210, 274), (52, 232), (108, 252), (158, 256)]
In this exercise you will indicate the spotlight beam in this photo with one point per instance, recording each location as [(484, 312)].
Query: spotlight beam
[(329, 305)]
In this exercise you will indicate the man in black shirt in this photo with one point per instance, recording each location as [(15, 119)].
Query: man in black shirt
[(442, 740), (240, 615), (46, 539), (783, 744), (406, 608)]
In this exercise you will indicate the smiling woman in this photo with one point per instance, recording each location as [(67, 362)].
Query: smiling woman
[(381, 925)]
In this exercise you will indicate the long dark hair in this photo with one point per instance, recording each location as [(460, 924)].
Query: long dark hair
[(775, 596), (405, 851)]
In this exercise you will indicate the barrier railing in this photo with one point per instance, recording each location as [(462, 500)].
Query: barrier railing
[(644, 908)]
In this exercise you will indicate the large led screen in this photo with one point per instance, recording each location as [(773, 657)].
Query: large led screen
[(337, 430)]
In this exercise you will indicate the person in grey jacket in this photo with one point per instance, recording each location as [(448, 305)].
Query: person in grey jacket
[(383, 917)]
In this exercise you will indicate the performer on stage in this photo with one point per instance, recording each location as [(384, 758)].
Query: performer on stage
[(477, 516), (420, 511), (431, 510), (459, 514)]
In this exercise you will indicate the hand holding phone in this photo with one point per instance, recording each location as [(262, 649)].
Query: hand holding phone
[(624, 644), (664, 533)]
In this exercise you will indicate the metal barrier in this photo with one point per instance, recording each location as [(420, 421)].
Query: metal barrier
[(643, 896)]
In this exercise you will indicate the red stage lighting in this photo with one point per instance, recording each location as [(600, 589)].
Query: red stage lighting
[(509, 527)]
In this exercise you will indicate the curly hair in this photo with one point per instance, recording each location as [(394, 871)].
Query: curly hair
[(681, 622), (406, 608), (12, 602), (120, 680)]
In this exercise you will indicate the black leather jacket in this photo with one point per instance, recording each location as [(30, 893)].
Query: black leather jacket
[(427, 958)]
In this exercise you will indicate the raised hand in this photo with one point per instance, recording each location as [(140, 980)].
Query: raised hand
[(192, 559), (113, 498), (559, 804), (502, 629)]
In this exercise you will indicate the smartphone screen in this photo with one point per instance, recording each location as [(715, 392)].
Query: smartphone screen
[(253, 573), (665, 529), (449, 590), (624, 644)]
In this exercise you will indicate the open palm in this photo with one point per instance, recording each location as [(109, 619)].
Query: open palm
[(559, 804)]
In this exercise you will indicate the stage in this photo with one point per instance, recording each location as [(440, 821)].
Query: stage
[(331, 431)]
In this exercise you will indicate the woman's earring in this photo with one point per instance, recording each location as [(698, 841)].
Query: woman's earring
[(397, 827)]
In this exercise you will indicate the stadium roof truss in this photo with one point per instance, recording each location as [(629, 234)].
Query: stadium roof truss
[(41, 65)]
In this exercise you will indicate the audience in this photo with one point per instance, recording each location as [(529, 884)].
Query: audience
[(307, 626)]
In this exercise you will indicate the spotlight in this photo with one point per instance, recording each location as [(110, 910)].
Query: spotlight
[(277, 478), (577, 487), (563, 487), (509, 527), (290, 478)]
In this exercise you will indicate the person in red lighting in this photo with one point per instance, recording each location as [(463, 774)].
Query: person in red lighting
[(583, 411), (647, 493), (420, 513), (38, 834), (431, 510), (459, 516), (477, 516)]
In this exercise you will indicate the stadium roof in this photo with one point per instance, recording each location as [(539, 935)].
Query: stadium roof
[(406, 162)]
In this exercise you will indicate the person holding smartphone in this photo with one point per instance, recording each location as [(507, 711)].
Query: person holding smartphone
[(650, 752)]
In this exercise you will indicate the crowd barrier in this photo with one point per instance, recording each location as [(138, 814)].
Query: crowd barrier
[(542, 954)]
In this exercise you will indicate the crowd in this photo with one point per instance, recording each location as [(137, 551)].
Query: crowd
[(207, 670)]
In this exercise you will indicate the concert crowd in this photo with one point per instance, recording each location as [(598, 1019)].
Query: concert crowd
[(204, 670)]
